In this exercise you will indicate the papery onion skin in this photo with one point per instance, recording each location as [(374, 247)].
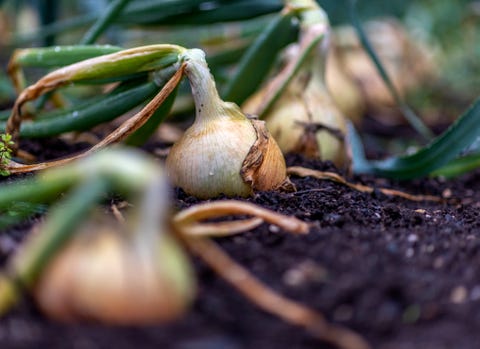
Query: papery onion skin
[(264, 167), (207, 160)]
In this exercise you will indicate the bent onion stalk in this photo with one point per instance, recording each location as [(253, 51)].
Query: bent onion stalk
[(127, 128), (110, 66)]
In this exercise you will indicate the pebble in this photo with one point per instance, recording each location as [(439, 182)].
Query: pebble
[(438, 262), (459, 295), (447, 193), (307, 271), (273, 228), (412, 238), (475, 293), (410, 252)]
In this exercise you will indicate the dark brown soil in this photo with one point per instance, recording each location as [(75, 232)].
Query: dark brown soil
[(403, 274)]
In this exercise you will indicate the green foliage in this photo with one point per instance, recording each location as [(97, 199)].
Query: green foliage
[(259, 58), (84, 116), (450, 26), (440, 152), (6, 145), (408, 113)]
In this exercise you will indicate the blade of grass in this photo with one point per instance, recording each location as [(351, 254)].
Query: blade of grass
[(50, 57), (103, 22), (308, 43), (354, 141), (226, 12), (58, 56), (440, 152), (226, 57), (133, 14), (161, 12), (459, 166), (143, 133), (32, 191), (20, 211), (80, 104), (408, 113), (48, 10), (87, 115), (259, 58), (156, 11), (4, 114)]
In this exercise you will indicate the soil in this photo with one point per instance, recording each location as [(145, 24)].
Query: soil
[(403, 274)]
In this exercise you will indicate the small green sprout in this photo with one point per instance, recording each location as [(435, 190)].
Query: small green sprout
[(6, 144)]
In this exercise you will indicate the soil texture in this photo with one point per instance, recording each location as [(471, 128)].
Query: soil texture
[(403, 274)]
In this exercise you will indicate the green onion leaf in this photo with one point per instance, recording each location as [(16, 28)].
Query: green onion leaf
[(440, 152)]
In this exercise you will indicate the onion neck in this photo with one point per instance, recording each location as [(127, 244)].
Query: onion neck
[(315, 36), (208, 104)]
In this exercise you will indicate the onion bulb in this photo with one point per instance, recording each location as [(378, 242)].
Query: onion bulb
[(105, 275), (408, 62), (345, 92), (304, 118), (223, 151)]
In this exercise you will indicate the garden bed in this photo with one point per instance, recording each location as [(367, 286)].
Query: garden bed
[(401, 273)]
